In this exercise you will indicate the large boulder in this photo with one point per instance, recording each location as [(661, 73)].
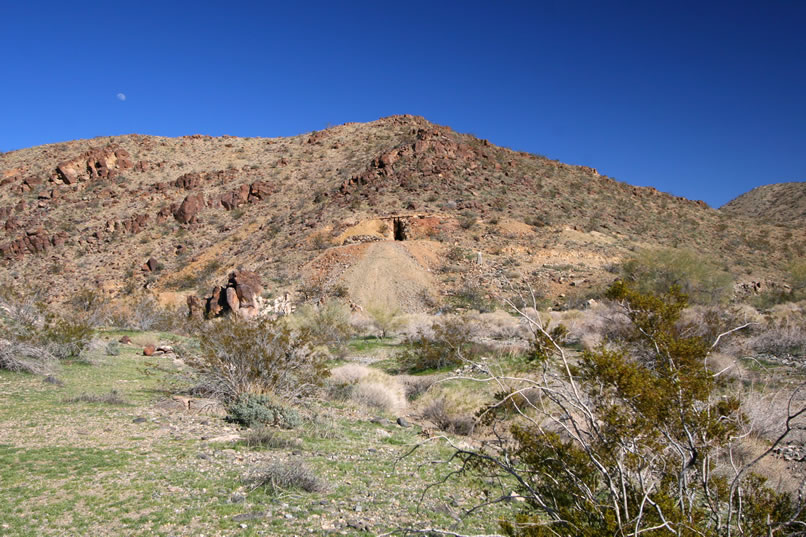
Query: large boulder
[(188, 211), (240, 296)]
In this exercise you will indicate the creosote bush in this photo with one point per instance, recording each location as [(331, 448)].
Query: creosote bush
[(237, 357), (448, 346), (630, 438)]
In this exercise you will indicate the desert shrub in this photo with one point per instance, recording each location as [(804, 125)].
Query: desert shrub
[(779, 340), (368, 387), (148, 314), (386, 319), (328, 324), (472, 297), (267, 438), (27, 358), (456, 253), (251, 410), (699, 277), (379, 395), (498, 325), (416, 385), (112, 348), (65, 338), (797, 278), (320, 240), (50, 379), (467, 220), (448, 346), (91, 306), (437, 412), (284, 475), (265, 357)]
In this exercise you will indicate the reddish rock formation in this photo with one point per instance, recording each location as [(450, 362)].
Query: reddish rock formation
[(33, 241), (132, 225), (93, 164), (232, 299), (188, 181), (259, 191), (240, 296), (152, 264), (190, 208), (149, 350)]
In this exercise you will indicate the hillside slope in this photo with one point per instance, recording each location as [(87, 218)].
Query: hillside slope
[(300, 211), (780, 203)]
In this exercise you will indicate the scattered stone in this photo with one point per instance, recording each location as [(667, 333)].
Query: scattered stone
[(125, 340), (237, 498), (227, 438), (149, 350), (381, 421), (139, 420), (403, 422), (50, 379)]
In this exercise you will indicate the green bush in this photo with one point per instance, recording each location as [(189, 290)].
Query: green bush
[(237, 357), (250, 410), (698, 276), (449, 346), (328, 324), (66, 338)]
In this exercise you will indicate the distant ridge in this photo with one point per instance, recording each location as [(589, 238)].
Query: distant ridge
[(779, 203)]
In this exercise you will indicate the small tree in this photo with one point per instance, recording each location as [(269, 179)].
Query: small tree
[(386, 319), (655, 271)]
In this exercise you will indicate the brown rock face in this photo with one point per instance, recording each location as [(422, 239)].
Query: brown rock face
[(96, 163), (216, 303), (241, 296), (247, 285), (232, 300), (259, 190), (190, 208), (189, 181), (195, 308)]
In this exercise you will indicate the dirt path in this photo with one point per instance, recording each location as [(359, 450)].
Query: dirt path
[(390, 276)]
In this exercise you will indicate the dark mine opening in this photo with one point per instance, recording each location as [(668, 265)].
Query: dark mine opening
[(400, 229)]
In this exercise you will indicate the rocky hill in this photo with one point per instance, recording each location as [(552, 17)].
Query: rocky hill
[(780, 203), (396, 211)]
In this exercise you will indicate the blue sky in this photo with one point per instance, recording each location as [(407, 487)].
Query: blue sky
[(701, 99)]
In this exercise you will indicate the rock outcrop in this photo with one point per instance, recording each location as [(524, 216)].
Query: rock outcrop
[(104, 163), (241, 296), (188, 211)]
